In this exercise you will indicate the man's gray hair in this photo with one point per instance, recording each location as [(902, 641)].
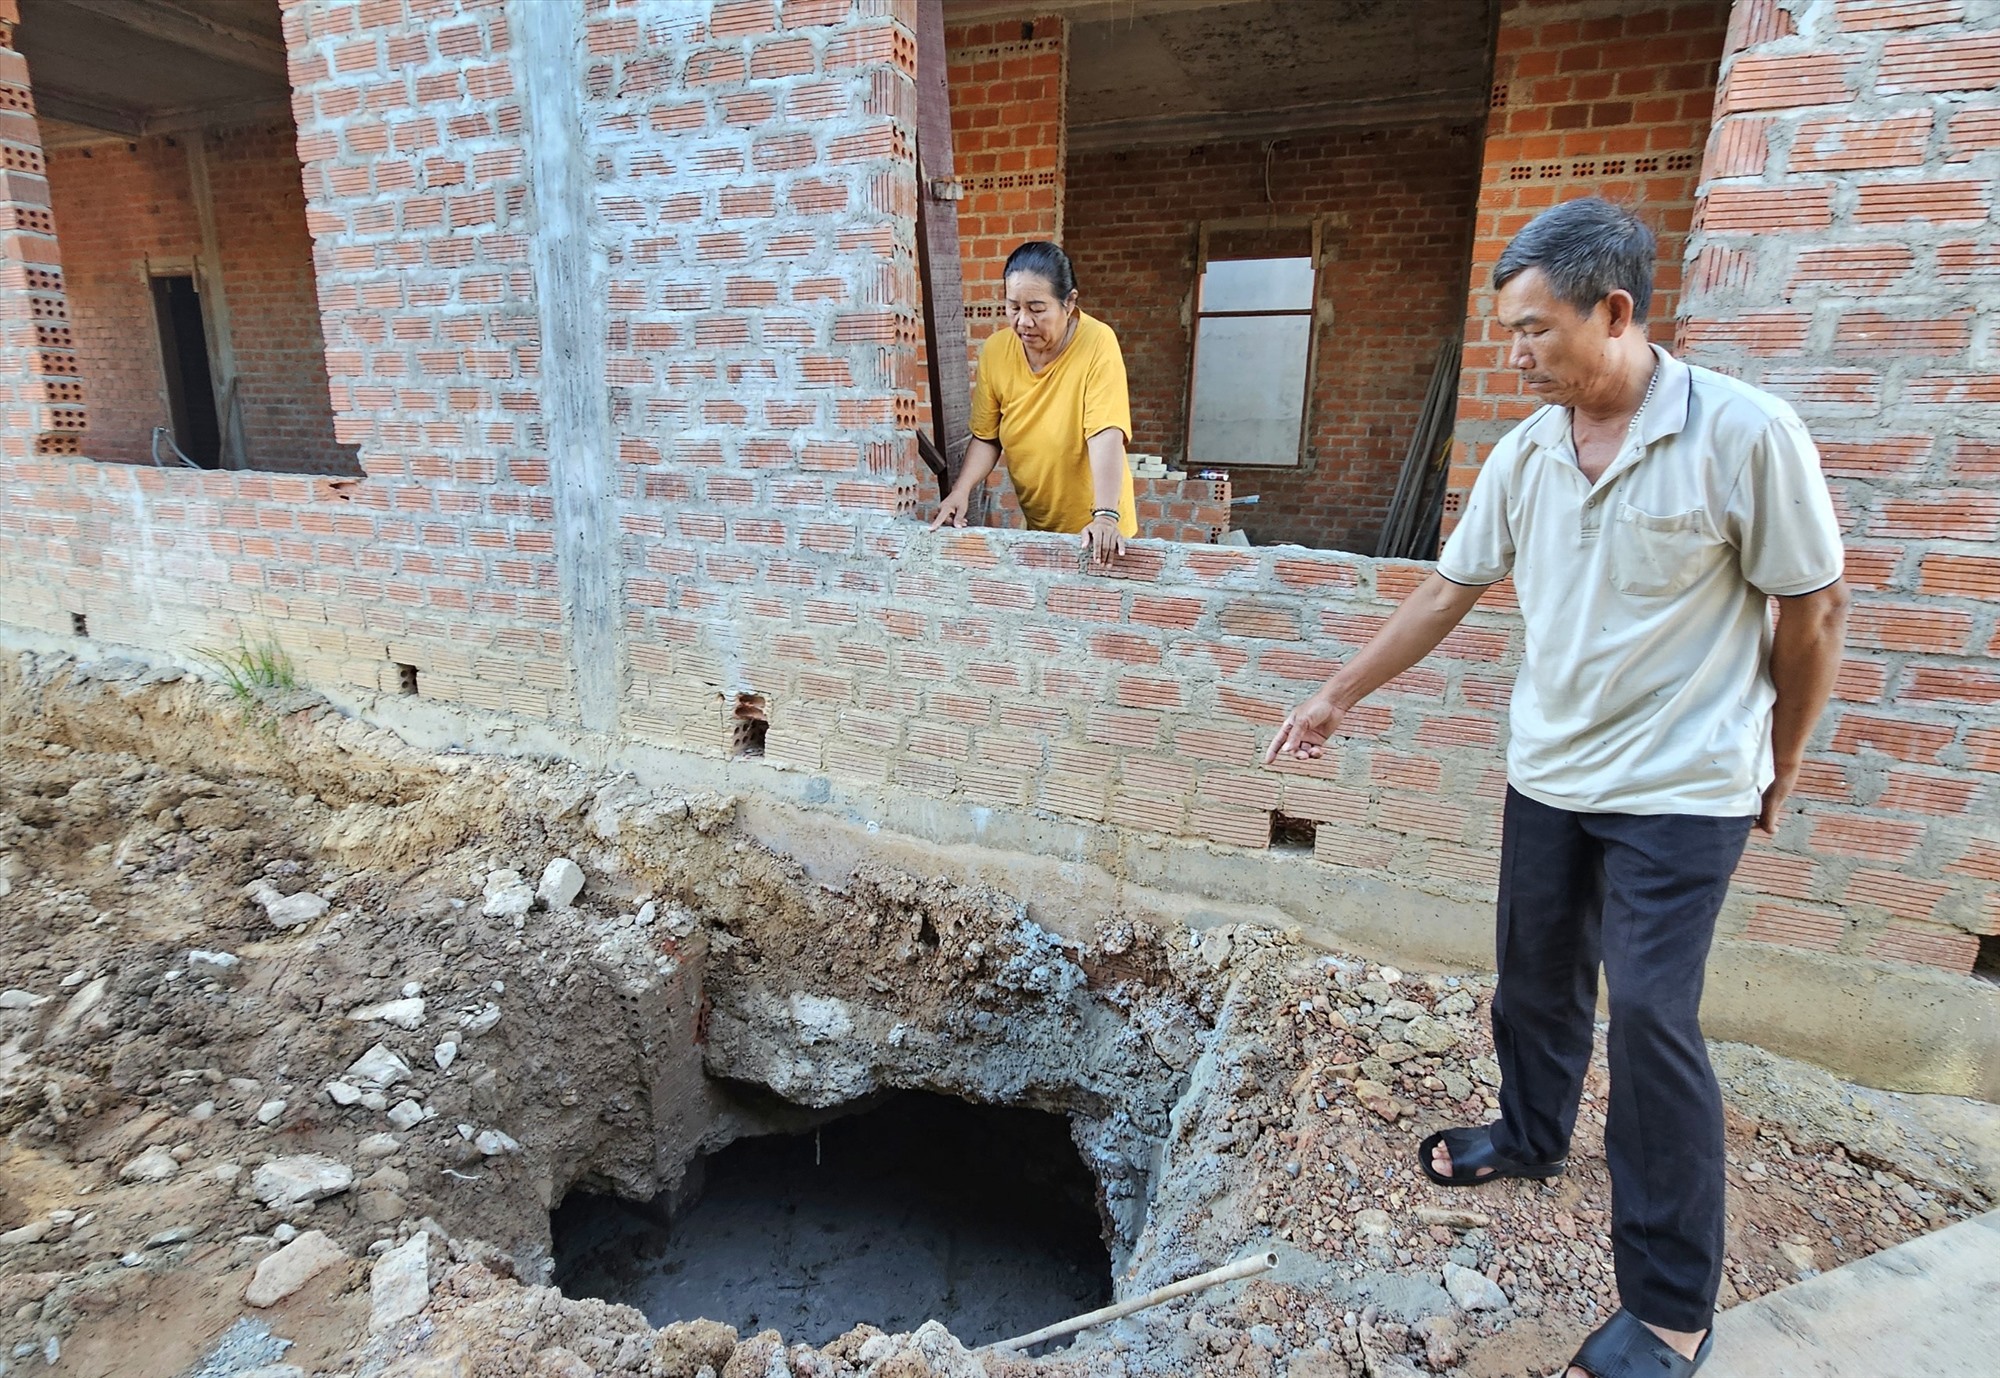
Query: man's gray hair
[(1588, 249)]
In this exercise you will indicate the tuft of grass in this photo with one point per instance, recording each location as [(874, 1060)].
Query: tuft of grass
[(251, 671)]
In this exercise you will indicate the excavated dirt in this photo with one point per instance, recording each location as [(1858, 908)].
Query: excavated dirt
[(401, 1083)]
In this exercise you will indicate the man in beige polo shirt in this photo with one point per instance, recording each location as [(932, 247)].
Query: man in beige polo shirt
[(1649, 513)]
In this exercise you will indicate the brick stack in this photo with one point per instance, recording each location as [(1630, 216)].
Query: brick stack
[(1846, 257)]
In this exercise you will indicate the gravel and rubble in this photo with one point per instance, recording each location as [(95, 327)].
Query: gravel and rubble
[(303, 1026)]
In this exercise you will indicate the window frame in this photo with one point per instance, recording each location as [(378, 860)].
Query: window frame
[(1316, 313)]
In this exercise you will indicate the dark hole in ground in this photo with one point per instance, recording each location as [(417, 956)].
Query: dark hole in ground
[(922, 1208)]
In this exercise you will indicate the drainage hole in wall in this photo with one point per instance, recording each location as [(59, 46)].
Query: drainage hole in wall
[(1987, 963), (921, 1208), (79, 624), (1289, 834), (748, 726), (406, 678)]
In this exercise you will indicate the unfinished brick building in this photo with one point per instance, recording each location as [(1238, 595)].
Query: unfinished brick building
[(547, 376)]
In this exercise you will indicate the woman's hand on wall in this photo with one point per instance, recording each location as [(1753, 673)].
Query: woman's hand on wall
[(951, 511), (1102, 543)]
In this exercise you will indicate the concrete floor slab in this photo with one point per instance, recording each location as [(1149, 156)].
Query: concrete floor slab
[(1926, 1309)]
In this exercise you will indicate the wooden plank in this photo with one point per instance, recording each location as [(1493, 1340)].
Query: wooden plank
[(937, 251)]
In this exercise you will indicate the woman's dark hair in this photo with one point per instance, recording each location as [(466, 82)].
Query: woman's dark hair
[(1588, 249), (1046, 261)]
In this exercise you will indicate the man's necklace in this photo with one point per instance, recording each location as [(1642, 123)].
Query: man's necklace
[(1632, 426)]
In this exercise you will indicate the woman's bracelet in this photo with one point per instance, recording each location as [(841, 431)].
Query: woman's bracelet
[(1110, 512)]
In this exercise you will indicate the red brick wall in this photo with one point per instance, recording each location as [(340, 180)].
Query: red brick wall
[(119, 207), (115, 209), (1844, 257), (1594, 99), (267, 272), (1393, 289)]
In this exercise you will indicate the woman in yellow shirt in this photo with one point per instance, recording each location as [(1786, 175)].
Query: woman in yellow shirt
[(1051, 394)]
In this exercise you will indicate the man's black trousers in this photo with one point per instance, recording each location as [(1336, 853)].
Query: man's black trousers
[(1639, 894)]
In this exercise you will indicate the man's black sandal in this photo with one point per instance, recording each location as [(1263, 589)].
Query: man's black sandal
[(1623, 1347), (1474, 1161)]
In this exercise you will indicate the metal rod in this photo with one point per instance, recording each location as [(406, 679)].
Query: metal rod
[(1246, 1267)]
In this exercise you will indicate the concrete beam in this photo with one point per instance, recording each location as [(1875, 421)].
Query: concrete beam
[(198, 33), (71, 108), (219, 116), (1077, 11), (1423, 107)]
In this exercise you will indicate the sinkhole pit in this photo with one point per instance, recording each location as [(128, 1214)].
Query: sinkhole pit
[(920, 1207)]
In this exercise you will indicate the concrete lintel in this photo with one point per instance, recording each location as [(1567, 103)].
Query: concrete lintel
[(70, 108), (197, 33), (1426, 107)]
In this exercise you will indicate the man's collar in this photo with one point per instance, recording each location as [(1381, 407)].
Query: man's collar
[(1666, 415), (1669, 413)]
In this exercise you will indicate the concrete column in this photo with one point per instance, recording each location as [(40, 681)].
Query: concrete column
[(572, 272)]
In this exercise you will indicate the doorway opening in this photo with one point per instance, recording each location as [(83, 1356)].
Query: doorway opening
[(190, 386)]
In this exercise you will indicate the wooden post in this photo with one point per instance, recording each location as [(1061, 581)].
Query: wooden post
[(938, 193)]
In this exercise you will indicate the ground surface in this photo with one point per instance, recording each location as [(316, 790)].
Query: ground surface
[(168, 1054)]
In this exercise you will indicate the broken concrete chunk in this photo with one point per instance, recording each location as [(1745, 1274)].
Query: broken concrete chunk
[(221, 961), (406, 1115), (156, 1164), (287, 911), (483, 1021), (444, 1055), (297, 1180), (509, 902), (562, 882), (400, 1285), (292, 1267), (404, 1014), (34, 1232), (496, 881), (1432, 1035), (1372, 1224), (493, 1143), (21, 1000), (268, 1112), (1472, 1291), (79, 1007), (1453, 1219), (378, 1068), (379, 1146), (340, 1093)]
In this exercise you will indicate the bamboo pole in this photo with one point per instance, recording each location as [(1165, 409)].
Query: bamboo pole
[(1246, 1267)]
